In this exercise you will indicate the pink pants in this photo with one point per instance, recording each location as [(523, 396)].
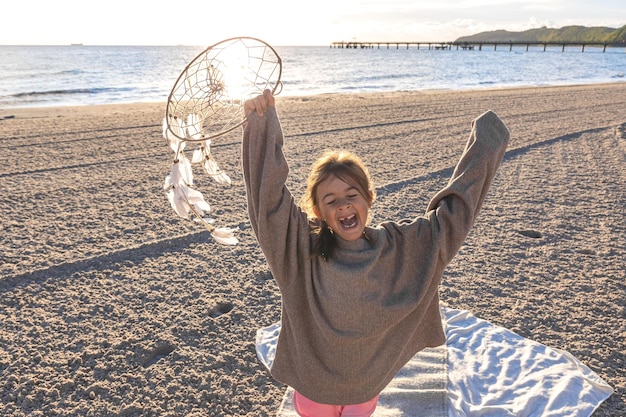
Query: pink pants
[(307, 408)]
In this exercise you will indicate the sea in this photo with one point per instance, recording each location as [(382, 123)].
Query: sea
[(36, 76)]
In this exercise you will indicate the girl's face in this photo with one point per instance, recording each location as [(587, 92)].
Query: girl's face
[(342, 207)]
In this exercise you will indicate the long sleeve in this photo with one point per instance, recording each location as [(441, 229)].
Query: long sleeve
[(279, 224), (454, 209)]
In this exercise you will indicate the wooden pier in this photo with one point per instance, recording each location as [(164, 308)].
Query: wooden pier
[(474, 45)]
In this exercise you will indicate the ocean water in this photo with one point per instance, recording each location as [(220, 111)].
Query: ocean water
[(32, 76)]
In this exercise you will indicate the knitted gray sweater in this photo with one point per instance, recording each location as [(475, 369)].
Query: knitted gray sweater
[(350, 323)]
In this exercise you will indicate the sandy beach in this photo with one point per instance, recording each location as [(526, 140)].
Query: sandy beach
[(111, 305)]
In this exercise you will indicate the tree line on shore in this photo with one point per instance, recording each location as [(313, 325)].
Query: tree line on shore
[(579, 34)]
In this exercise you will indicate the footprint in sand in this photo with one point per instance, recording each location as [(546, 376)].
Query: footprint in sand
[(620, 131), (158, 353), (220, 309), (530, 233)]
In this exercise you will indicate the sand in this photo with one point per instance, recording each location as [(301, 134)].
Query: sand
[(112, 305)]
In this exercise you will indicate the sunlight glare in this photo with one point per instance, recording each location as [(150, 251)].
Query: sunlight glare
[(236, 71)]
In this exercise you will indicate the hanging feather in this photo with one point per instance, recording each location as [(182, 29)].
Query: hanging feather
[(225, 236), (187, 201), (185, 169), (196, 200), (203, 155), (181, 172), (197, 156), (174, 195), (180, 194), (176, 145)]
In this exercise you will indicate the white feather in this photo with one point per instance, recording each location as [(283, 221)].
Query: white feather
[(222, 178), (175, 143), (185, 169), (211, 168), (165, 130), (196, 198), (225, 236), (178, 201), (167, 184), (176, 176), (197, 157)]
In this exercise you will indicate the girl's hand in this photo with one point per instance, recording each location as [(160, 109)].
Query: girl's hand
[(259, 104)]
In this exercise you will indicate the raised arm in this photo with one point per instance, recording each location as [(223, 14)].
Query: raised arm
[(454, 209), (279, 224)]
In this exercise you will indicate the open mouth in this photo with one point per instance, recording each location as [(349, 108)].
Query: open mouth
[(348, 222)]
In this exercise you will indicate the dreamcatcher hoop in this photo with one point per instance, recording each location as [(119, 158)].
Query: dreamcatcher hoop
[(207, 102), (207, 98)]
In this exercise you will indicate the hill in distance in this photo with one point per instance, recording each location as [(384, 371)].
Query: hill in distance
[(581, 34)]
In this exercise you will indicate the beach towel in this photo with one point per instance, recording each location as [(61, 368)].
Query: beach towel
[(493, 371), (482, 370)]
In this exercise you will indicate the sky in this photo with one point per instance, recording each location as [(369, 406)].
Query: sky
[(286, 22)]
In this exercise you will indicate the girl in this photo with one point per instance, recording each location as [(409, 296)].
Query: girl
[(358, 302)]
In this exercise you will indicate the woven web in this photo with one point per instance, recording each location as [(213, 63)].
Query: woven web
[(207, 99)]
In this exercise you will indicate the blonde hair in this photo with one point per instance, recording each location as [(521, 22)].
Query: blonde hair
[(349, 168)]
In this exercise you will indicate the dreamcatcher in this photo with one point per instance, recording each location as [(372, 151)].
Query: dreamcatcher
[(205, 103)]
